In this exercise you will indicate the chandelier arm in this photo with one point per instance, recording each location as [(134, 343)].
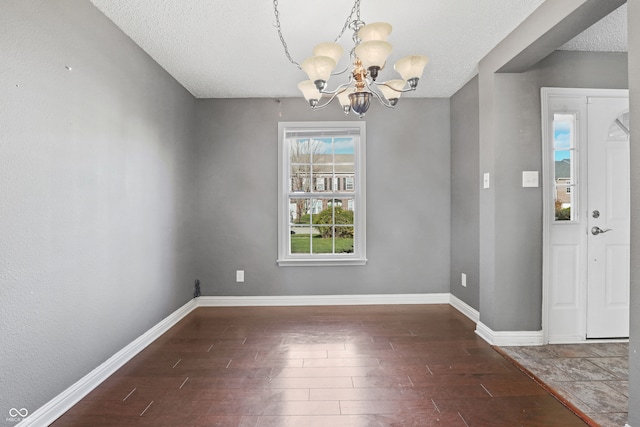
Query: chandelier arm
[(409, 89), (338, 90), (321, 106), (337, 73), (381, 99), (333, 93)]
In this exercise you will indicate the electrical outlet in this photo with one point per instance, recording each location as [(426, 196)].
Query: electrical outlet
[(239, 275), (463, 280)]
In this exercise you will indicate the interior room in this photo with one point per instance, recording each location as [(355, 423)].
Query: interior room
[(140, 179)]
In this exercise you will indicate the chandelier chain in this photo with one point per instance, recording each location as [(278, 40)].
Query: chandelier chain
[(284, 43), (355, 9)]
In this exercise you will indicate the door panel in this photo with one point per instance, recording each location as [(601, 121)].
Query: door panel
[(608, 195)]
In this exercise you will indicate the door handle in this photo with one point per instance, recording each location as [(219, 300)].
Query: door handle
[(597, 230)]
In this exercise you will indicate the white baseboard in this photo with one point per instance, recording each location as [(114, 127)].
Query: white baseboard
[(508, 338), (310, 300), (53, 409), (464, 308), (56, 407)]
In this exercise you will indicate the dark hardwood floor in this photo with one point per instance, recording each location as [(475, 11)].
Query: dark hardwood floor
[(408, 365)]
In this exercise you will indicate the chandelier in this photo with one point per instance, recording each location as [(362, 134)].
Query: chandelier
[(367, 58)]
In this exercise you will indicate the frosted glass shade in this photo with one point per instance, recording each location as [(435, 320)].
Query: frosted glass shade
[(376, 31), (318, 67), (389, 92), (343, 98), (411, 67), (309, 90), (373, 53), (332, 50)]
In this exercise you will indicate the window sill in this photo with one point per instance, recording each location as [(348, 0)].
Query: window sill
[(321, 262)]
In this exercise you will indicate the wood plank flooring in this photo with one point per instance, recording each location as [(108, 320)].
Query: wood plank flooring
[(392, 365)]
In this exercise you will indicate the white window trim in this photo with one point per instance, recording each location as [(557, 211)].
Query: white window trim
[(358, 257)]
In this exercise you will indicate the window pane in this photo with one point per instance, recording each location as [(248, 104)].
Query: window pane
[(563, 203), (344, 146), (299, 211), (343, 215), (300, 178), (322, 149), (300, 241), (344, 239), (323, 245), (564, 131), (619, 129), (300, 150)]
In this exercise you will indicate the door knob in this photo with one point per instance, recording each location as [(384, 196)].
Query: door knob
[(597, 230)]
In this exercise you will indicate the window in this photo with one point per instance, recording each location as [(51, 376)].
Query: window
[(321, 193), (564, 156), (348, 183)]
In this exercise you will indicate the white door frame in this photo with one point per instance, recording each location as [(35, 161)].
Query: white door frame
[(547, 173)]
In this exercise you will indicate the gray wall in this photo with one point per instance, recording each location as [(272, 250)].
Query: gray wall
[(634, 93), (465, 193), (408, 189), (95, 196), (518, 233)]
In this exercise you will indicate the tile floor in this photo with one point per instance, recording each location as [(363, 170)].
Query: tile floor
[(591, 377), (393, 365)]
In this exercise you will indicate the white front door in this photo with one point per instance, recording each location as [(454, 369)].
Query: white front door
[(586, 185), (608, 218)]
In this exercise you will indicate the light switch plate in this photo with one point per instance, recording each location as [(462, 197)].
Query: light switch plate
[(485, 180), (530, 178)]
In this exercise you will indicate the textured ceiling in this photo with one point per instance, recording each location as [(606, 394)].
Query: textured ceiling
[(230, 48), (607, 35)]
